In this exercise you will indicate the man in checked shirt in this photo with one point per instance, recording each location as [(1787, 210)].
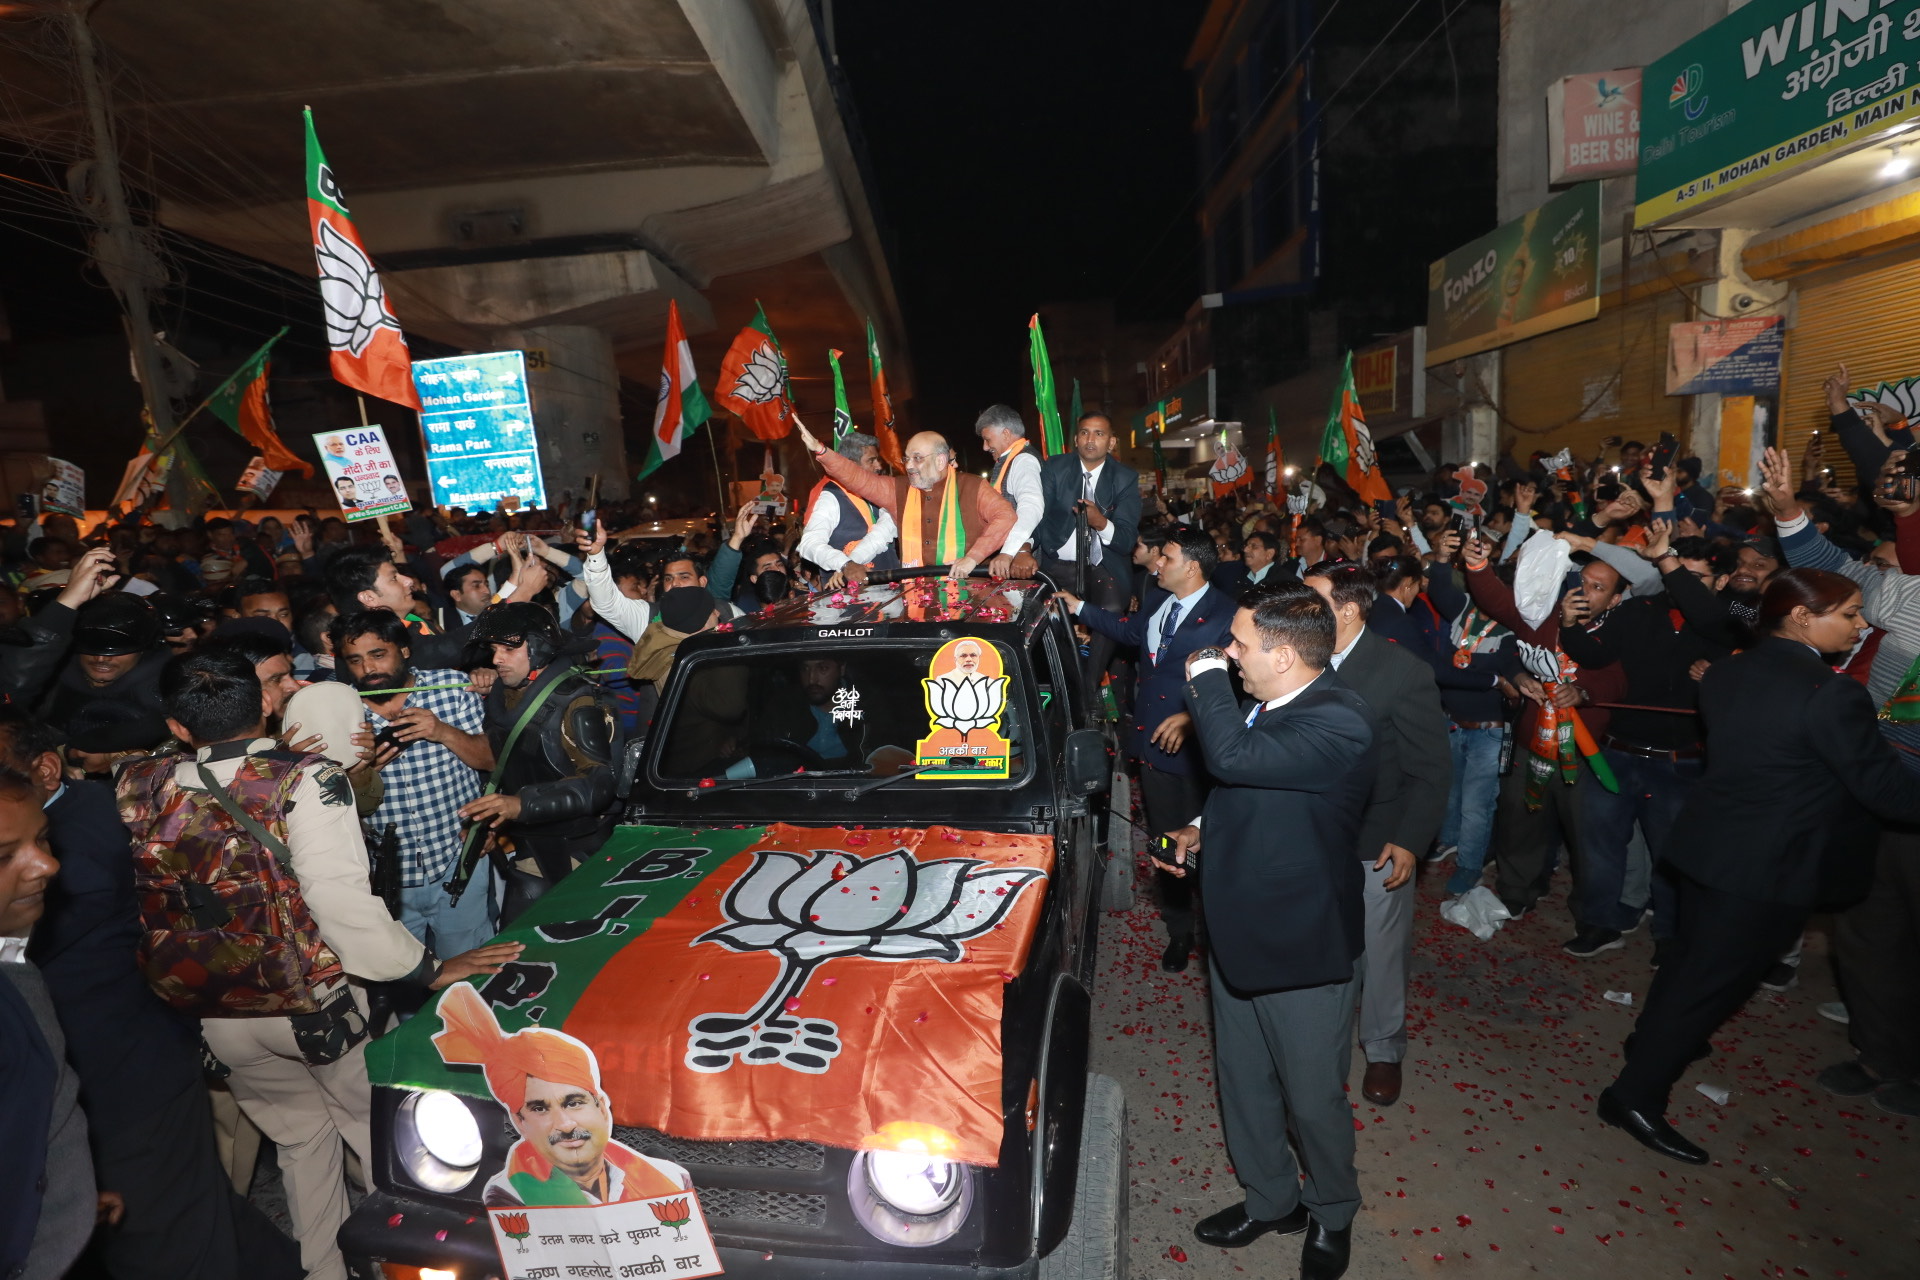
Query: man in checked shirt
[(431, 749)]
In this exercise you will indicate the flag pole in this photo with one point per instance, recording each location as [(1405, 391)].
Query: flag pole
[(719, 485), (215, 394)]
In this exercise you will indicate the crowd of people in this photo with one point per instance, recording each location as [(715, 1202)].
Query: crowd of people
[(264, 785)]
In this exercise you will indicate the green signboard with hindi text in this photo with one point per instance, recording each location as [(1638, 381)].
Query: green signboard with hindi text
[(1771, 88), (1537, 273)]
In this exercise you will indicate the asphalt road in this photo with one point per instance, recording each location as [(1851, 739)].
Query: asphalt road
[(1491, 1163)]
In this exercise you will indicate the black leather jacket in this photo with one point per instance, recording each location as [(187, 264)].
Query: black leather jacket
[(561, 766)]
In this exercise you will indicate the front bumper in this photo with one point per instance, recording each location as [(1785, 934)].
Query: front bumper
[(414, 1234)]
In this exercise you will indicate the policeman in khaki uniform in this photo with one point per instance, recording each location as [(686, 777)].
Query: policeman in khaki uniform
[(253, 881)]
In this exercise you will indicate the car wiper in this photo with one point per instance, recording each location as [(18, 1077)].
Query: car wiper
[(708, 787), (854, 793)]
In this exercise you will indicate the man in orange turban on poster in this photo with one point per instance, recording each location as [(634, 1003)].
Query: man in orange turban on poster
[(550, 1083)]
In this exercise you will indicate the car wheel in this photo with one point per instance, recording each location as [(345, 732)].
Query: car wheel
[(1096, 1244)]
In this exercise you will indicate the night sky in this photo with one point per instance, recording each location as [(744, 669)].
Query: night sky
[(1024, 153)]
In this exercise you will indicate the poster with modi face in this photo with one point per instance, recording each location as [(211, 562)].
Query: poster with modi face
[(362, 473)]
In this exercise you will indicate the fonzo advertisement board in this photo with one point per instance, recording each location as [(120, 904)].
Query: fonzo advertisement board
[(1535, 274)]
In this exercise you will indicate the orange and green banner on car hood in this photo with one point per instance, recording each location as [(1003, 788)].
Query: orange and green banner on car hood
[(825, 984)]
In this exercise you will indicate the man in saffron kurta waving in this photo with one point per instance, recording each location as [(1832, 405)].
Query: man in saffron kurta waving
[(550, 1083), (945, 515)]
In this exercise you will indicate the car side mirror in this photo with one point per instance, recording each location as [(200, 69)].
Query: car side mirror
[(1089, 766)]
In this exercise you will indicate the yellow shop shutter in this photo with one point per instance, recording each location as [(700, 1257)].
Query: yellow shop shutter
[(1864, 314), (1607, 377)]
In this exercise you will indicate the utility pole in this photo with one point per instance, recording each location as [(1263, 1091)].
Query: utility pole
[(124, 259)]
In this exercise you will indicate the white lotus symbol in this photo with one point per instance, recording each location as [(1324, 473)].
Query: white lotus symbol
[(965, 703), (1229, 466), (350, 293), (760, 379), (811, 908), (1273, 471)]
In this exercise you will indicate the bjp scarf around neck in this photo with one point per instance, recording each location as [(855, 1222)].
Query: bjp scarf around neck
[(1006, 463), (950, 535)]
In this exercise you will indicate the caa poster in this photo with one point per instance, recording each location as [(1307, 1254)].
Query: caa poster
[(360, 468)]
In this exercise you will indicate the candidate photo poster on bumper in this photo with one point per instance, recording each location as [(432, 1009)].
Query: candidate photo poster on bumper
[(361, 471), (477, 416), (571, 1200)]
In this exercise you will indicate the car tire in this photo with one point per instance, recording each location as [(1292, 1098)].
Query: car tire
[(1096, 1244)]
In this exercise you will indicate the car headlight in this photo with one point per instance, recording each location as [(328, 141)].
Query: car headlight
[(437, 1140), (909, 1198)]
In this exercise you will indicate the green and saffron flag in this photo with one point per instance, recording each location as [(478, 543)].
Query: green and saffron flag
[(1052, 438)]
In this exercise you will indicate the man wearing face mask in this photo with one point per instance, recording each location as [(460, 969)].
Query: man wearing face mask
[(552, 792), (945, 516)]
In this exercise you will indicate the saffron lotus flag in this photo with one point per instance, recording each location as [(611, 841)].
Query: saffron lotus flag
[(369, 352), (1347, 446), (1276, 464), (1229, 472), (753, 381), (883, 428), (1051, 436), (682, 407), (776, 983), (241, 403), (842, 414)]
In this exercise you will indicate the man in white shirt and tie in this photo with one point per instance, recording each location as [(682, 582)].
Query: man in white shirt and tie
[(1173, 778)]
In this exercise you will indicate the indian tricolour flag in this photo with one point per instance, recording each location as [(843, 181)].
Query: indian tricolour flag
[(681, 408)]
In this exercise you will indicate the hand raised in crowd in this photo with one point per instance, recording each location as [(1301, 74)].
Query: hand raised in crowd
[(1688, 527), (302, 531), (591, 544), (1525, 493), (1657, 545), (1620, 510), (1836, 386), (1446, 545), (1893, 489), (1776, 484), (743, 522), (1171, 734), (530, 578), (1476, 553), (1659, 488), (807, 437), (468, 964), (91, 575), (1575, 541), (1186, 841), (1403, 864)]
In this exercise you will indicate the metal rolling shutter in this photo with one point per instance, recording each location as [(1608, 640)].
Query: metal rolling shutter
[(1862, 313), (1606, 377)]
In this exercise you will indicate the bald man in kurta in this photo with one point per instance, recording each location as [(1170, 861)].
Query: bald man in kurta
[(985, 517)]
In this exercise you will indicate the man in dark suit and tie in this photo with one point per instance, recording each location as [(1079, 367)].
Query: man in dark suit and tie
[(1187, 615), (1108, 490), (1282, 895), (149, 1119), (1409, 801)]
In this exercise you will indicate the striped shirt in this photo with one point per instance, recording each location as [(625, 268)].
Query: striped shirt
[(427, 783)]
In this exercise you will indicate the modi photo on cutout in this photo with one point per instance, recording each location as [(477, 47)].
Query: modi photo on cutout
[(966, 694), (549, 1083), (360, 468)]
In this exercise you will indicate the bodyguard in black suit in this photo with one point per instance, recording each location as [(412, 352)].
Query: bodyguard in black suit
[(1767, 834), (1409, 802), (150, 1123), (1108, 490), (1185, 615), (1281, 892)]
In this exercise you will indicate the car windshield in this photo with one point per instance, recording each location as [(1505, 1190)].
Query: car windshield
[(947, 709)]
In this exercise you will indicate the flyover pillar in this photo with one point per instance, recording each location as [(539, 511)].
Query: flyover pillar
[(575, 386)]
